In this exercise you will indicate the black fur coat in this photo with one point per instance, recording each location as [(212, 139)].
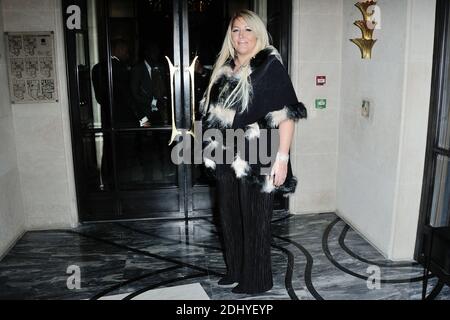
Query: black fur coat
[(273, 100)]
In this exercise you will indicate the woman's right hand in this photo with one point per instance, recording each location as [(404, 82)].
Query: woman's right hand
[(279, 172)]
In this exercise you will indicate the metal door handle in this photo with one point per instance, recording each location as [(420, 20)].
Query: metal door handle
[(175, 131), (191, 70)]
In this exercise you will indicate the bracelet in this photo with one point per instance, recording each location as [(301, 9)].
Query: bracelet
[(282, 157)]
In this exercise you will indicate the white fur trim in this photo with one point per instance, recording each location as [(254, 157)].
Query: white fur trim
[(268, 186), (225, 70), (252, 131), (225, 116), (274, 118), (276, 54), (211, 145), (209, 163), (240, 167), (202, 106)]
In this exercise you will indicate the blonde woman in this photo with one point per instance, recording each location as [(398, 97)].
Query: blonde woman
[(250, 90)]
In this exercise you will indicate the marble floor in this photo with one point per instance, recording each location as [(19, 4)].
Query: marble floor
[(313, 256)]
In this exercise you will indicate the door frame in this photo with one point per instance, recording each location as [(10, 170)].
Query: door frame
[(188, 193), (74, 102), (440, 72)]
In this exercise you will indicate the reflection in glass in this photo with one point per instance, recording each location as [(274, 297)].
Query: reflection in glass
[(143, 160), (97, 161), (440, 207), (81, 57), (94, 59), (149, 87), (92, 76), (139, 41), (444, 124), (83, 72)]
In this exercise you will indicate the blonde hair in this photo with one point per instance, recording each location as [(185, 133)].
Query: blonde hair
[(242, 93)]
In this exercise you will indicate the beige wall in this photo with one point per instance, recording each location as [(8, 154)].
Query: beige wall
[(316, 50), (381, 159), (12, 216), (415, 108), (368, 170), (42, 131), (368, 149)]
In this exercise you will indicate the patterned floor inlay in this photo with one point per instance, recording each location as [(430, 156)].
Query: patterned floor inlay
[(313, 257), (192, 291)]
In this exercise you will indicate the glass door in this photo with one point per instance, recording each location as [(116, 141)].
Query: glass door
[(435, 209), (125, 102), (134, 93)]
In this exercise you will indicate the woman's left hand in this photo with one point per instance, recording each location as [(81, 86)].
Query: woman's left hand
[(279, 172)]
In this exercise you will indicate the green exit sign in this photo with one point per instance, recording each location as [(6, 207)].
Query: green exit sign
[(321, 103)]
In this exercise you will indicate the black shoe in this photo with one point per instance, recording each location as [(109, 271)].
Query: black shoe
[(241, 289), (238, 289), (226, 281)]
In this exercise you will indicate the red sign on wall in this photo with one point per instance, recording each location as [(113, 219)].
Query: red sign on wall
[(321, 80)]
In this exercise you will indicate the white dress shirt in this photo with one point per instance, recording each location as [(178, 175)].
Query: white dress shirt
[(154, 101)]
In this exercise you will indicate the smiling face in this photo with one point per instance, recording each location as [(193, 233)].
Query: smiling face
[(243, 38)]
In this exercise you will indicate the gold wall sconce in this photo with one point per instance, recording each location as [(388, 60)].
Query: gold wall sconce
[(367, 26)]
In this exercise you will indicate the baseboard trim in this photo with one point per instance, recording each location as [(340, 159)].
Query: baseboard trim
[(362, 235), (12, 244)]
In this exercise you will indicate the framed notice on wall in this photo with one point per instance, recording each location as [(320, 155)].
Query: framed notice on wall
[(31, 67)]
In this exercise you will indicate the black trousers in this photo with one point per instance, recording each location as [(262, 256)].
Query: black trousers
[(245, 217)]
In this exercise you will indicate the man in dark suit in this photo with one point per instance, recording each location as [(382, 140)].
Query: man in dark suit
[(149, 89), (150, 95), (124, 112), (123, 107)]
